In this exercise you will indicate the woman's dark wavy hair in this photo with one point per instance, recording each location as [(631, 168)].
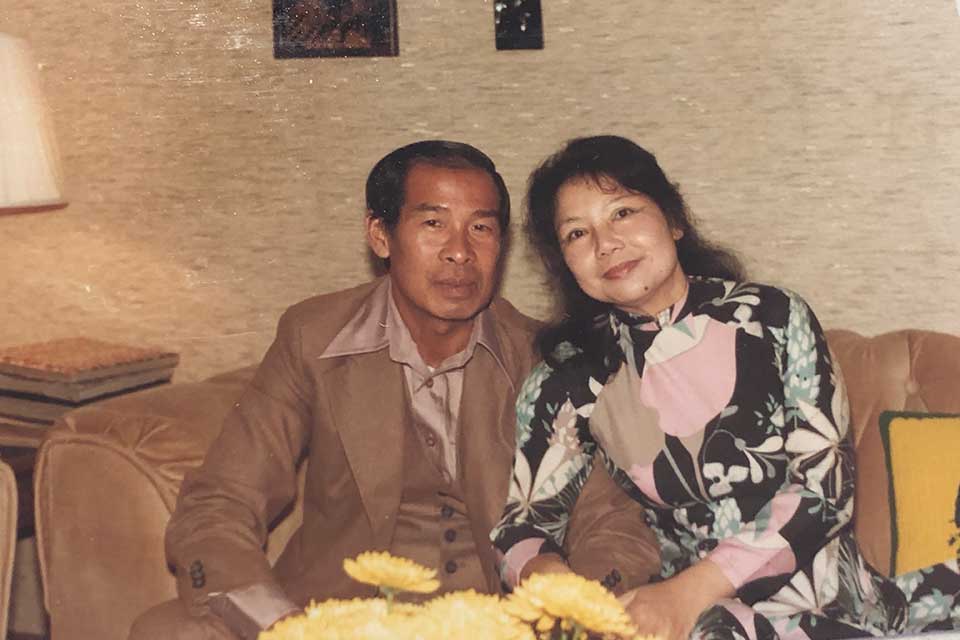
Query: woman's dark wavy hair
[(600, 159)]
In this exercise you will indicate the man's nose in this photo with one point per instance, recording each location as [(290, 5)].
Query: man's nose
[(457, 248)]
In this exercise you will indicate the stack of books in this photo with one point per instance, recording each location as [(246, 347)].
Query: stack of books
[(40, 382)]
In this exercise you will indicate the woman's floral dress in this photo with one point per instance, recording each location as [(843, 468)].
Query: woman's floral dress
[(726, 419)]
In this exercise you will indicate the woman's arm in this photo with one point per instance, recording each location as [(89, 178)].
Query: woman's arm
[(553, 459), (816, 501)]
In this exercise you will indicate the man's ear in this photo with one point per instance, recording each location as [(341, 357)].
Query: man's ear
[(378, 237)]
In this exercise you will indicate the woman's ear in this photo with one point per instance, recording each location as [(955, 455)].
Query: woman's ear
[(677, 233), (378, 237)]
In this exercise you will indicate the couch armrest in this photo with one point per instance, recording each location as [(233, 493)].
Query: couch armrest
[(8, 540), (106, 481)]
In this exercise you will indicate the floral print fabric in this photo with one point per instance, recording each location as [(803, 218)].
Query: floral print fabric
[(727, 419)]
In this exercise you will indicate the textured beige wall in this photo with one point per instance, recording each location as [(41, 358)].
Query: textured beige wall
[(211, 186)]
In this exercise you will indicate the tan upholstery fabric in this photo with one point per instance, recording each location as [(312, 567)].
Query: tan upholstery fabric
[(899, 371), (8, 540), (108, 475), (106, 481)]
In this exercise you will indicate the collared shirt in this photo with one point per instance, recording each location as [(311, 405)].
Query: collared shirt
[(434, 392)]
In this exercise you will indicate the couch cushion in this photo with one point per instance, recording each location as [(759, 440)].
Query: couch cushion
[(921, 454)]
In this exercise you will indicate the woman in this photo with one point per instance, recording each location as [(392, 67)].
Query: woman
[(712, 401)]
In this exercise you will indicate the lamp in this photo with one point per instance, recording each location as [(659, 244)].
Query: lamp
[(30, 177)]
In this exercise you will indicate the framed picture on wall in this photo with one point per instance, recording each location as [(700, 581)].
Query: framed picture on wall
[(518, 24), (334, 28)]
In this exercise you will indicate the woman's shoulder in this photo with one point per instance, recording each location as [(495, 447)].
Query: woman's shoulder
[(737, 300), (566, 366)]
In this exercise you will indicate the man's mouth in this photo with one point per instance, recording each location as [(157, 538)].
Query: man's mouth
[(457, 287)]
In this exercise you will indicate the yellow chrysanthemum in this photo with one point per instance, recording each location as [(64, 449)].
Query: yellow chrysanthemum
[(468, 614), (546, 598), (352, 620), (318, 620), (391, 573)]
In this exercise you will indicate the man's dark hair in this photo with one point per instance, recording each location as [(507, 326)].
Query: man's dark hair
[(386, 183), (606, 159)]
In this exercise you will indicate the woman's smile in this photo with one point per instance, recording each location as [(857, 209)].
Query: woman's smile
[(621, 270)]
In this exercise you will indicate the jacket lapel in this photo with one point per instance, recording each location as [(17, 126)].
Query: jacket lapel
[(368, 405), (486, 454)]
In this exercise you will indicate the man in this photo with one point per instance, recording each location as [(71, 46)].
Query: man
[(400, 395)]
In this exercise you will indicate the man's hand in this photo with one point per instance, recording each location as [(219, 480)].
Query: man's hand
[(670, 609), (296, 611), (544, 563)]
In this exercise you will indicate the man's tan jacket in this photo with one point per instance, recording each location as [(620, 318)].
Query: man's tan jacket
[(348, 416)]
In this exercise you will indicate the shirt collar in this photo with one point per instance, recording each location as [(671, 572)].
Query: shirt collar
[(378, 325)]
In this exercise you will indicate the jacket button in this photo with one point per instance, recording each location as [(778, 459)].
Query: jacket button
[(612, 579), (449, 535), (450, 566), (197, 577), (446, 511)]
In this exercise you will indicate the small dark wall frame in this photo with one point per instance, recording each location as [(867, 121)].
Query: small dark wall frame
[(334, 28), (518, 24)]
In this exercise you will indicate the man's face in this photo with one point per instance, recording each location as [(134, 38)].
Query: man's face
[(444, 250)]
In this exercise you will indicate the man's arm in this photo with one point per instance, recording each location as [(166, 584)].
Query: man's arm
[(216, 537), (607, 537)]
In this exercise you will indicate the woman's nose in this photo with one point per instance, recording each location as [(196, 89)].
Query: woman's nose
[(607, 241)]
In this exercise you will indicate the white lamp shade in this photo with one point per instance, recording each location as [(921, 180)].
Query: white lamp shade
[(29, 164)]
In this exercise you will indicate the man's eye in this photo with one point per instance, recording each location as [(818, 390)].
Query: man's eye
[(431, 222), (482, 228)]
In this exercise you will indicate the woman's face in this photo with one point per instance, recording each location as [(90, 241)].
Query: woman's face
[(619, 246)]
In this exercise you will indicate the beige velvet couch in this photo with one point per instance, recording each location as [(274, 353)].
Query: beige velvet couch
[(8, 540), (107, 476)]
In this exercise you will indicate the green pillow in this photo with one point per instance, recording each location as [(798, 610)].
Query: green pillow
[(923, 466)]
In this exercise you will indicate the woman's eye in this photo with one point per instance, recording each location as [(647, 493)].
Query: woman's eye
[(623, 212), (575, 234)]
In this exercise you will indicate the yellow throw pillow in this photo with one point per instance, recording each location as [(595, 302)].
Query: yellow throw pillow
[(923, 463)]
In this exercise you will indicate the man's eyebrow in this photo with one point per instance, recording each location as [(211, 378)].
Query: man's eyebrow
[(429, 206)]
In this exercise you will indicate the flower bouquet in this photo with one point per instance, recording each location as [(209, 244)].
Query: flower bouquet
[(545, 606)]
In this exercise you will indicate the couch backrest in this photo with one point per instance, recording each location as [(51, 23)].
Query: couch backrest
[(908, 370)]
